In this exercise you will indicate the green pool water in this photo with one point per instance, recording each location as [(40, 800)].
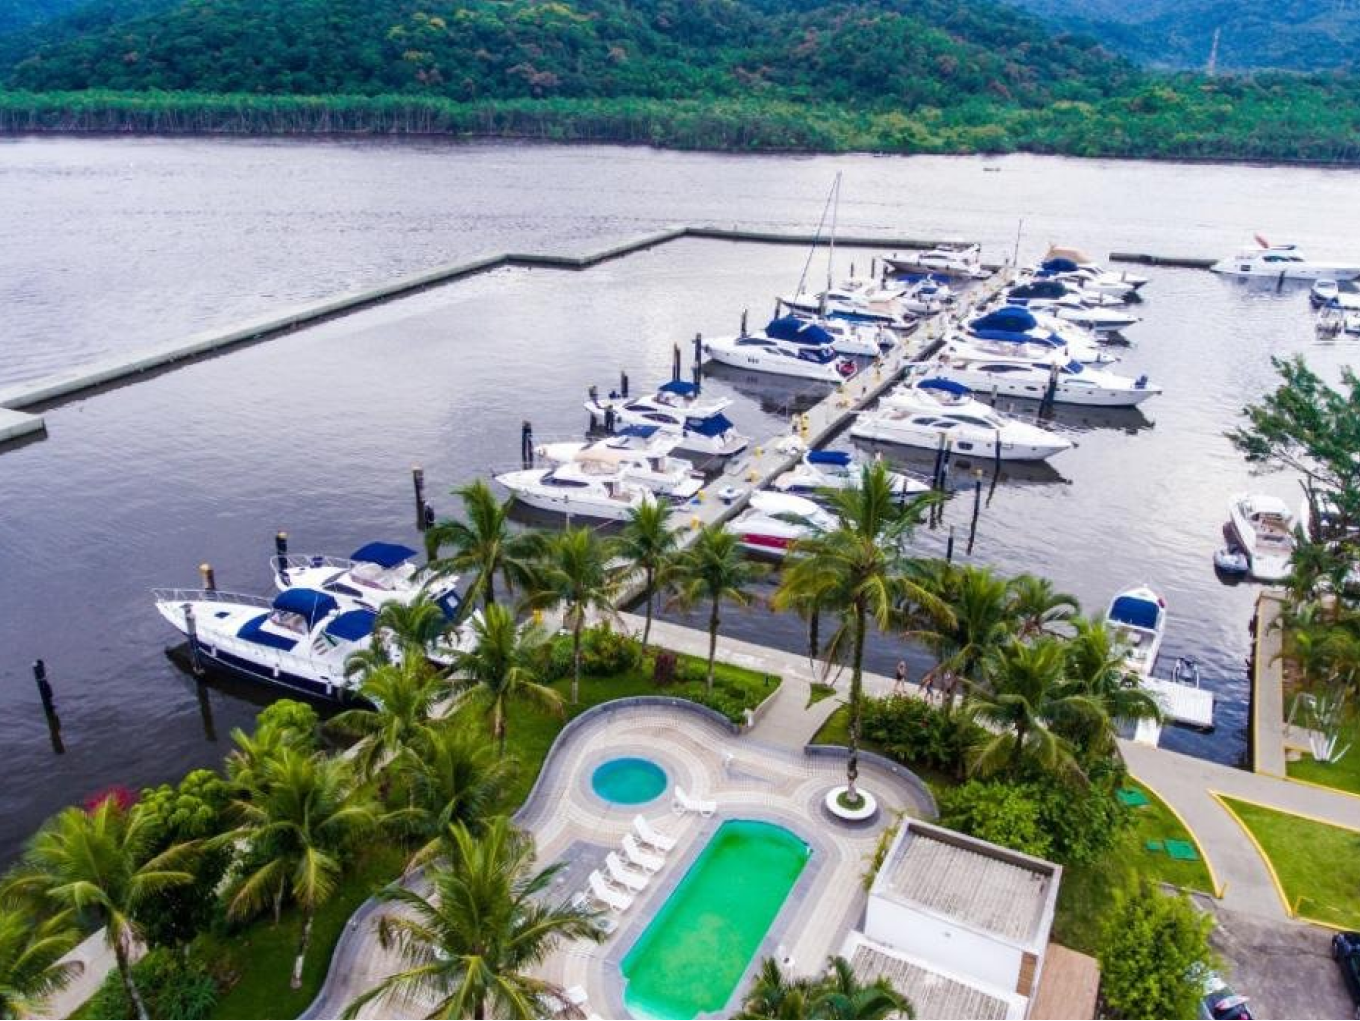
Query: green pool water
[(628, 781), (691, 956)]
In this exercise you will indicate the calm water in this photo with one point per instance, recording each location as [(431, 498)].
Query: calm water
[(110, 244)]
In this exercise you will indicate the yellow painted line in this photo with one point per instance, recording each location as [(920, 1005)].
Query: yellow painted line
[(1270, 866), (1318, 786), (1218, 888), (1288, 811)]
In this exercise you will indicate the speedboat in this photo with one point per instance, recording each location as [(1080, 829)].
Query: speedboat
[(788, 346), (639, 454), (300, 640), (1014, 332), (1264, 527), (958, 262), (773, 522), (1283, 262), (921, 413), (822, 470), (678, 410), (1329, 293), (376, 573), (1069, 380), (574, 489), (1137, 617)]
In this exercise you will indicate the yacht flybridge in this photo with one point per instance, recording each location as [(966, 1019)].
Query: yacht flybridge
[(376, 573), (1283, 262), (1070, 382), (679, 411), (788, 346), (299, 641), (923, 412)]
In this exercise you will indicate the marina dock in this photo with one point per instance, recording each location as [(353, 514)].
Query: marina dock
[(1182, 703)]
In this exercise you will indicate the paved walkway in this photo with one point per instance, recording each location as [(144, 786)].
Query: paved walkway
[(1267, 688)]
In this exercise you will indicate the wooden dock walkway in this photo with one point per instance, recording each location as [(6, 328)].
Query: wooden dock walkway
[(1267, 689)]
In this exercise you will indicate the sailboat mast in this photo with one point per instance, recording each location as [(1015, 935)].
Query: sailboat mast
[(835, 212)]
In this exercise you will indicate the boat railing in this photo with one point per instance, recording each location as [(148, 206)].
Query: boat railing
[(306, 561), (207, 595)]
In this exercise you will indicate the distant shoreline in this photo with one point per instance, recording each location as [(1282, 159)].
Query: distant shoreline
[(716, 126)]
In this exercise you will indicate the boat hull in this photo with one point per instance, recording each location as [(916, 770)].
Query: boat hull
[(760, 361), (1064, 393), (869, 428)]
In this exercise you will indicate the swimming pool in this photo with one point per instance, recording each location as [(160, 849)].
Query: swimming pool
[(628, 781), (691, 956)]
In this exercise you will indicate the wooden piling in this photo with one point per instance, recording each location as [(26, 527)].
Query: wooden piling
[(209, 578), (418, 481)]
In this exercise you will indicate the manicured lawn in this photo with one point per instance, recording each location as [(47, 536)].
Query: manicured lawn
[(1318, 865), (262, 953), (1343, 775), (1087, 891)]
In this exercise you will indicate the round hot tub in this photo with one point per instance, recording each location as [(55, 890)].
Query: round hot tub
[(628, 781)]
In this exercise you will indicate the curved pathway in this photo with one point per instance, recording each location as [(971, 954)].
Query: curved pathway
[(748, 778)]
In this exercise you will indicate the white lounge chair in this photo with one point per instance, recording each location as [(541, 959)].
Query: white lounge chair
[(607, 895), (637, 856), (583, 901), (623, 876), (684, 803), (576, 996), (652, 838)]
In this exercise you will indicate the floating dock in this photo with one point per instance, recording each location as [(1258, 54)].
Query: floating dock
[(1182, 703), (1180, 261)]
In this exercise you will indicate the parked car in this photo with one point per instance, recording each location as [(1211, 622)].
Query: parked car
[(1219, 1002), (1346, 953)]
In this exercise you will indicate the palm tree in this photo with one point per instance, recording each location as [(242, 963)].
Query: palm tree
[(296, 826), (1027, 690), (647, 541), (971, 613), (31, 969), (1095, 664), (574, 574), (416, 627), (1038, 606), (484, 546), (475, 940), (98, 864), (838, 994), (500, 668), (858, 569), (455, 779), (402, 703), (713, 568)]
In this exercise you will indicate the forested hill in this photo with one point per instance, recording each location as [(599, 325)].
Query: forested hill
[(1297, 35), (885, 75), (910, 52)]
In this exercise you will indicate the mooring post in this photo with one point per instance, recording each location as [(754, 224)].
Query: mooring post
[(977, 509), (44, 688), (191, 630), (699, 356), (939, 458), (526, 444), (743, 322), (994, 392), (205, 713), (281, 553), (675, 363), (1046, 405), (949, 547), (209, 578), (623, 383), (418, 480)]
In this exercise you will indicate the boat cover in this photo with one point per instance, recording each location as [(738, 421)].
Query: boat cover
[(251, 632), (799, 331), (946, 385), (1010, 319), (640, 431), (1039, 289), (679, 387), (836, 457), (1141, 613), (384, 554), (307, 603), (1058, 266), (713, 425), (352, 625)]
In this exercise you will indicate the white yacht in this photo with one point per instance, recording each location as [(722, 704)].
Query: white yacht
[(919, 413), (1092, 270), (575, 489), (820, 470), (376, 573), (1137, 617), (865, 340), (1283, 262), (788, 346), (958, 262), (865, 300), (1071, 382), (1088, 277), (1328, 293), (1011, 331), (1264, 529), (298, 641), (639, 454), (772, 522), (680, 412)]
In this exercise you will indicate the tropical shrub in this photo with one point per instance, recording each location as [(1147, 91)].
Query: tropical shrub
[(1068, 824), (1002, 813), (1154, 948), (605, 652), (172, 983), (913, 731), (294, 721)]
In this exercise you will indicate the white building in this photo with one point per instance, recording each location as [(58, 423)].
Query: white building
[(958, 925)]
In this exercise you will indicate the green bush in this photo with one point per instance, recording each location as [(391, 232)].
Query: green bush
[(296, 720), (913, 731), (729, 704), (605, 652), (1005, 814), (691, 671), (171, 985), (1153, 949)]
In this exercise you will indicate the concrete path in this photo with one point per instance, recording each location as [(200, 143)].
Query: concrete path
[(1267, 688)]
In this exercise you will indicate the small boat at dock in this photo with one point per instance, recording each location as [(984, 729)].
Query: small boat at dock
[(1137, 617), (1263, 527), (788, 346), (962, 262), (773, 522), (638, 454), (822, 470), (574, 489), (677, 409)]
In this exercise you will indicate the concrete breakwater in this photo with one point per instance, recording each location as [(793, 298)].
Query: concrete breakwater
[(16, 423)]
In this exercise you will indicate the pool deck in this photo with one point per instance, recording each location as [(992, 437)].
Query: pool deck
[(748, 778)]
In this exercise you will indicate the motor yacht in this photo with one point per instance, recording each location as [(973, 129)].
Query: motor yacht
[(298, 641), (1069, 381), (1053, 298), (1011, 331), (1264, 528), (1137, 617), (1283, 262), (577, 489), (680, 412), (773, 522), (963, 263), (1086, 265), (640, 454), (823, 470), (922, 412), (865, 340), (788, 346), (1088, 277), (376, 573), (1328, 293)]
